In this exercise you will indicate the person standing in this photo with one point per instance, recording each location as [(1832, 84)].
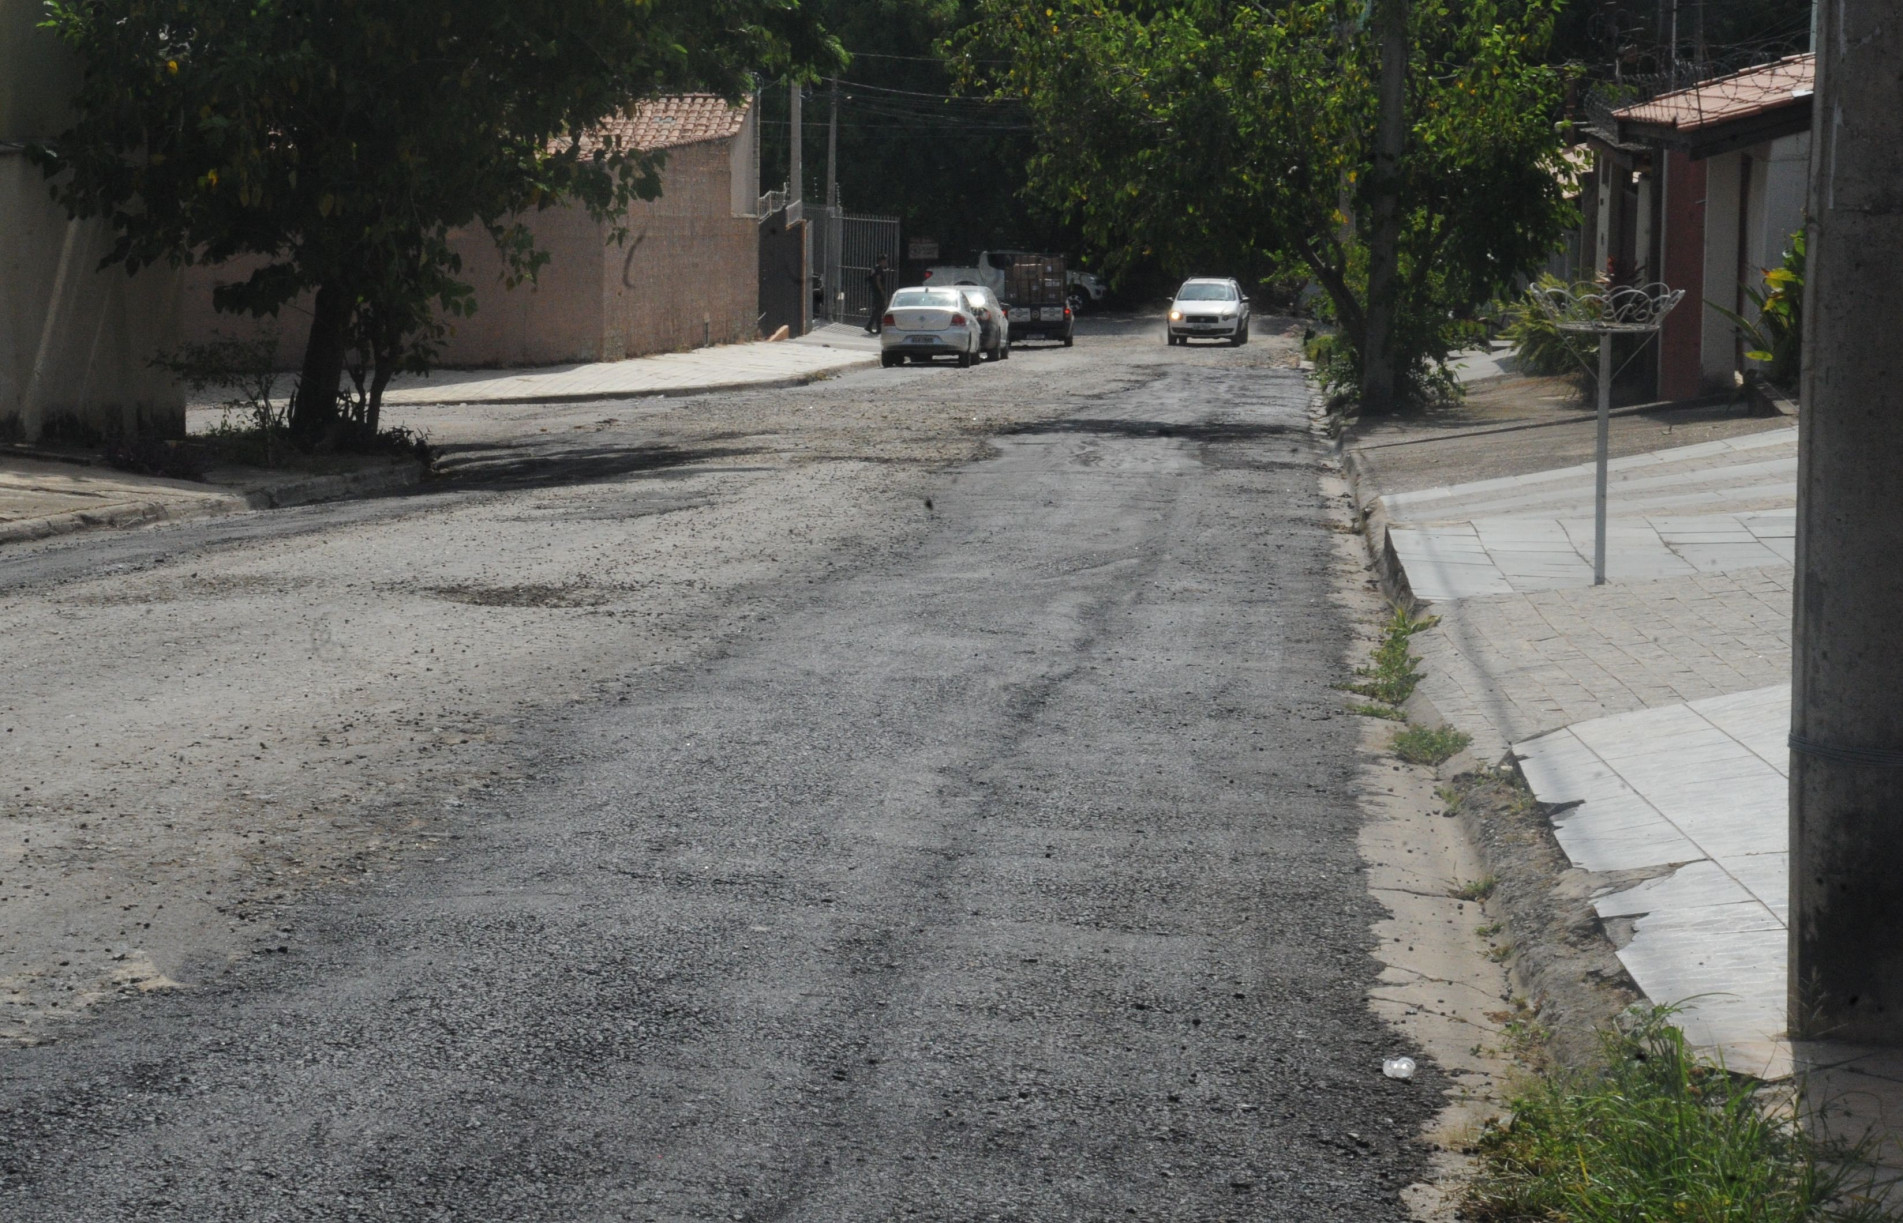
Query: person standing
[(881, 282)]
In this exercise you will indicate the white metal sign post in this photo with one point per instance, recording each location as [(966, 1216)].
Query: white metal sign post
[(1605, 312)]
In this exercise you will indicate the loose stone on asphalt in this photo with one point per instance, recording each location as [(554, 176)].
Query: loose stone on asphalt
[(1006, 869)]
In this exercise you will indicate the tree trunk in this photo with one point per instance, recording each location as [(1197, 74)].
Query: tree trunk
[(1379, 369), (314, 405), (1846, 831)]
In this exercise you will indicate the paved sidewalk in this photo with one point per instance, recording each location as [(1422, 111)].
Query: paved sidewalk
[(830, 349), (1714, 507), (1651, 710), (1650, 713), (40, 498)]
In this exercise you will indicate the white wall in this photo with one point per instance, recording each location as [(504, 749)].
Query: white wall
[(1784, 179)]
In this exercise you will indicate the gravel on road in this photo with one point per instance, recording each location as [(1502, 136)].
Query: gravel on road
[(854, 838)]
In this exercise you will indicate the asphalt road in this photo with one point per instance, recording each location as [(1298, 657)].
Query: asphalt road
[(1013, 877)]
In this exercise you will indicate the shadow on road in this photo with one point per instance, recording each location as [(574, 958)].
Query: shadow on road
[(1207, 432), (528, 466)]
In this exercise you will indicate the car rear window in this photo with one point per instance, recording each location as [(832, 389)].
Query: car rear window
[(925, 297)]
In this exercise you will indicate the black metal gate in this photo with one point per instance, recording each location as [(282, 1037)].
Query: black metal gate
[(782, 274), (845, 249)]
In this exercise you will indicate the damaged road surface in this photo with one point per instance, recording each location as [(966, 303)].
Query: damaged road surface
[(1005, 870)]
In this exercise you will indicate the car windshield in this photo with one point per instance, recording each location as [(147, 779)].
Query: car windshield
[(925, 297), (1205, 293)]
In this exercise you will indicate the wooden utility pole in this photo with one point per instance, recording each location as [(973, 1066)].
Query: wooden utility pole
[(1846, 840), (1379, 372)]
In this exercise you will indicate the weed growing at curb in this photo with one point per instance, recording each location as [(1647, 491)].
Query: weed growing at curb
[(1652, 1131), (1367, 710), (1391, 674), (1430, 744), (1476, 889)]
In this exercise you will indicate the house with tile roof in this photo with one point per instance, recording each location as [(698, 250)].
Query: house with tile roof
[(685, 275), (1701, 188)]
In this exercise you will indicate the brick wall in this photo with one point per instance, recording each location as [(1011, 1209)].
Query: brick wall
[(687, 275)]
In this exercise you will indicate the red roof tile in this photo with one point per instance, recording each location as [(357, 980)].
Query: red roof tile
[(1727, 99), (663, 123)]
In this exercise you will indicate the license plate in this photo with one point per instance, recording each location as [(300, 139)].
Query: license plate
[(1039, 313), (920, 339)]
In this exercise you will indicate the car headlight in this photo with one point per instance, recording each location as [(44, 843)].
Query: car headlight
[(1176, 316)]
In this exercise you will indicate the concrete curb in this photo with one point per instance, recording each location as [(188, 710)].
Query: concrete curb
[(311, 491), (1563, 962), (1373, 516), (672, 392)]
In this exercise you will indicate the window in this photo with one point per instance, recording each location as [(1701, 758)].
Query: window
[(944, 298)]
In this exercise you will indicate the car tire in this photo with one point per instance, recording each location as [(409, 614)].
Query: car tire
[(1004, 352), (888, 360), (1067, 341), (964, 360), (1239, 339)]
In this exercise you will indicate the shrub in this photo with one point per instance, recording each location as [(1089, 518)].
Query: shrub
[(1541, 348), (1651, 1131)]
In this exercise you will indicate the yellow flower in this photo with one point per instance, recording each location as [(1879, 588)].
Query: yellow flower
[(171, 66)]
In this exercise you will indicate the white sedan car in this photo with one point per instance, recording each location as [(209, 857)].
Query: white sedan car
[(920, 324), (1208, 307)]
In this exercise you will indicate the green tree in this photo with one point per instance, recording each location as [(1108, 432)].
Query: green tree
[(342, 141), (1219, 132)]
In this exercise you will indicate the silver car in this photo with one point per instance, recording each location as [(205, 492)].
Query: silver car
[(920, 324), (1216, 309), (994, 321)]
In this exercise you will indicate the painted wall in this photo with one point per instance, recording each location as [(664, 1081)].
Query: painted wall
[(1784, 179), (686, 275), (75, 342), (1681, 372), (1718, 338)]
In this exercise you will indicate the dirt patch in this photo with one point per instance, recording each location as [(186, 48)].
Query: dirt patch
[(1563, 961), (531, 595)]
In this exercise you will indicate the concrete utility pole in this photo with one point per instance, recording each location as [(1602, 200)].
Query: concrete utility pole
[(795, 171), (1380, 382), (835, 229), (1846, 915), (832, 150)]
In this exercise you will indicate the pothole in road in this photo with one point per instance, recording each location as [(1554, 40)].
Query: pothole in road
[(526, 595)]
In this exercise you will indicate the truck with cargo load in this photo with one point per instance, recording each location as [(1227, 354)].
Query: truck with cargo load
[(1037, 298)]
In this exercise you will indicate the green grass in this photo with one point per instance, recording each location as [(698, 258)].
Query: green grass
[(1367, 710), (1430, 744), (1477, 889), (1651, 1132)]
